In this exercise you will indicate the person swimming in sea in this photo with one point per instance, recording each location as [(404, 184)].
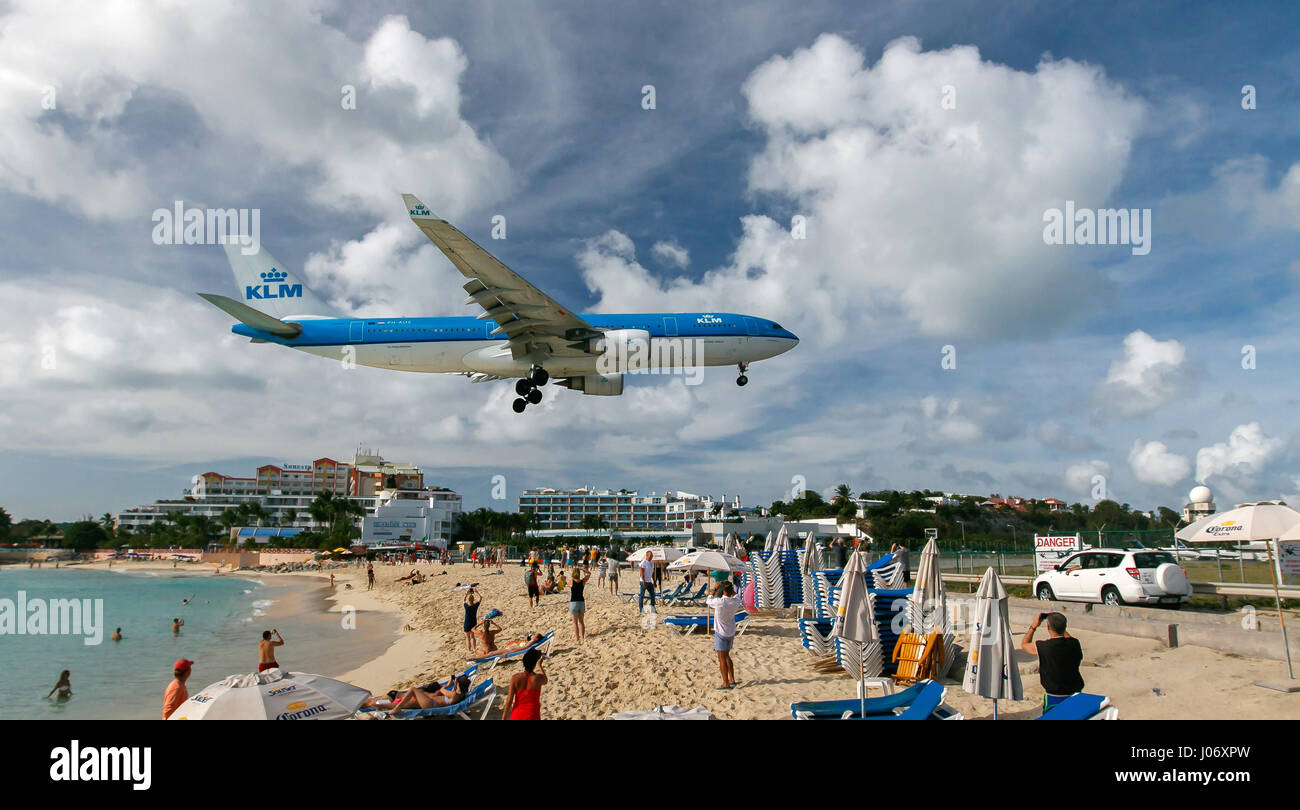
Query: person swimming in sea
[(63, 687), (117, 634)]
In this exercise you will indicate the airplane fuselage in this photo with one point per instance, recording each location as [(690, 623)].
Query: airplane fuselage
[(468, 345)]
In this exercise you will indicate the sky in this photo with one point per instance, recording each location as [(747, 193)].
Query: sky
[(946, 343)]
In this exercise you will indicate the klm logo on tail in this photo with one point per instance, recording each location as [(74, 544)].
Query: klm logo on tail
[(272, 286)]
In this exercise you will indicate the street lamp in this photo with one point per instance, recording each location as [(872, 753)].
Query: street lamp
[(963, 532), (1014, 546)]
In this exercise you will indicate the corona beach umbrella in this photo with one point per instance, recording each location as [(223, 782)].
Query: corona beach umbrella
[(855, 620), (662, 555), (1264, 521), (991, 668), (273, 695), (929, 598), (707, 561)]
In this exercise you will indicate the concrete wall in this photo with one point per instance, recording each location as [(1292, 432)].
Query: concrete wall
[(1244, 634), (284, 556)]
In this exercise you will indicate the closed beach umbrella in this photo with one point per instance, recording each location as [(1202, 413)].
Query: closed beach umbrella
[(990, 668), (707, 561), (782, 540), (769, 542), (273, 695), (929, 598), (811, 558), (855, 620), (1267, 522), (730, 546)]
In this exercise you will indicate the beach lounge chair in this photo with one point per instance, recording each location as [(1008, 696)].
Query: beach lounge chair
[(918, 702), (690, 598), (493, 660), (1082, 706), (667, 595), (917, 657), (484, 693), (689, 624)]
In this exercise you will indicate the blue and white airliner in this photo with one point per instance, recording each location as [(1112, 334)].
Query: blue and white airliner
[(521, 333)]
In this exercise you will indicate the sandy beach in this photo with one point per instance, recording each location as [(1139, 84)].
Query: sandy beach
[(622, 666)]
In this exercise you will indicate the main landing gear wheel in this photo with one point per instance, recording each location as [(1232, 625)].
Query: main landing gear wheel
[(534, 396), (523, 387), (540, 376), (742, 379), (528, 388), (519, 405)]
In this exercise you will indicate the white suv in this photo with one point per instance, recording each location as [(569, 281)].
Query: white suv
[(1116, 577)]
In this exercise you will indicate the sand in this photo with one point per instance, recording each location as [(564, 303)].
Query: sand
[(623, 666)]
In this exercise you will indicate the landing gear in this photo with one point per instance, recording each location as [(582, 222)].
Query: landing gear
[(742, 379), (528, 388)]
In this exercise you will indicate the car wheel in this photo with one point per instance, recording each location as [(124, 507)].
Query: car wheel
[(1110, 596), (1045, 593)]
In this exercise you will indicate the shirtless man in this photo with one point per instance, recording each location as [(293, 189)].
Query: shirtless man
[(177, 624), (266, 650)]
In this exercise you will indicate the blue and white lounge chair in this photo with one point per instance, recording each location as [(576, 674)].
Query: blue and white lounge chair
[(919, 702), (485, 693), (689, 624), (493, 660), (1082, 706), (689, 598)]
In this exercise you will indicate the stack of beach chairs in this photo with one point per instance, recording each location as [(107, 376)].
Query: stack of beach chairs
[(769, 585), (891, 608)]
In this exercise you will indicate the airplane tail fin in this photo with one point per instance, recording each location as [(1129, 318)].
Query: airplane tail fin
[(268, 286)]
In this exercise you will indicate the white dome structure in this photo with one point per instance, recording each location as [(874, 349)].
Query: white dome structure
[(1200, 502)]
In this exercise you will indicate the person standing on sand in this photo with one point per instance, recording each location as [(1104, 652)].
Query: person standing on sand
[(647, 582), (612, 573), (176, 693), (601, 569), (370, 576), (524, 700), (725, 604), (471, 617), (578, 604), (530, 579), (1059, 657), (331, 583), (266, 650)]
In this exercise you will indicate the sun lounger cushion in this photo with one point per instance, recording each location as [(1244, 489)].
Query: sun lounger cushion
[(1081, 706)]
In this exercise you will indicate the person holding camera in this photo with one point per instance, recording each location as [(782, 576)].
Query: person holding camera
[(1059, 656), (472, 601)]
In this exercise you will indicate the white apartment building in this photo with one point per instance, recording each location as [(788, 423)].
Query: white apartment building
[(623, 509)]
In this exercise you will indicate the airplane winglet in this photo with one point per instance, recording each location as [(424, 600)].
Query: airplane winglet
[(415, 208), (252, 317)]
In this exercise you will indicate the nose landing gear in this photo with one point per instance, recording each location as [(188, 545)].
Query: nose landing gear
[(528, 388), (742, 379)]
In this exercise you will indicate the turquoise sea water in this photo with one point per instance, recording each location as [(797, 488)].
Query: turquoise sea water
[(223, 622)]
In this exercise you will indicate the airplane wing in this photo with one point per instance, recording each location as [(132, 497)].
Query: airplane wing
[(533, 323)]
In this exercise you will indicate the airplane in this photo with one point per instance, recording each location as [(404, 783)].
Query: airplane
[(521, 333)]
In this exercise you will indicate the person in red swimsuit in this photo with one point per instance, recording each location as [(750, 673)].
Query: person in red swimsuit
[(524, 700)]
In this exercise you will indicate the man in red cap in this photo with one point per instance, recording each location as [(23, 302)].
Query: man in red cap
[(176, 692)]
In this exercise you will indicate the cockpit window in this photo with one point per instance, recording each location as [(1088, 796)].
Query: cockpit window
[(776, 326)]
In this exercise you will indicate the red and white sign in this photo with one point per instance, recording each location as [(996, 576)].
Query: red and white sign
[(1051, 549), (1288, 559)]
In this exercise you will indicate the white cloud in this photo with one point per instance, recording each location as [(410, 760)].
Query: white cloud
[(1152, 463), (1079, 477), (1241, 459), (268, 98), (863, 151), (671, 253), (1151, 373)]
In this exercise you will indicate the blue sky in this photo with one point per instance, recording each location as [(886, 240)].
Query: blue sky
[(925, 232)]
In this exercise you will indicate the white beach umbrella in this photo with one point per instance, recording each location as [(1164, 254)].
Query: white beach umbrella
[(1264, 521), (273, 695), (707, 561), (811, 558), (856, 621), (769, 542), (782, 540), (662, 554), (991, 667), (730, 546), (929, 598)]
